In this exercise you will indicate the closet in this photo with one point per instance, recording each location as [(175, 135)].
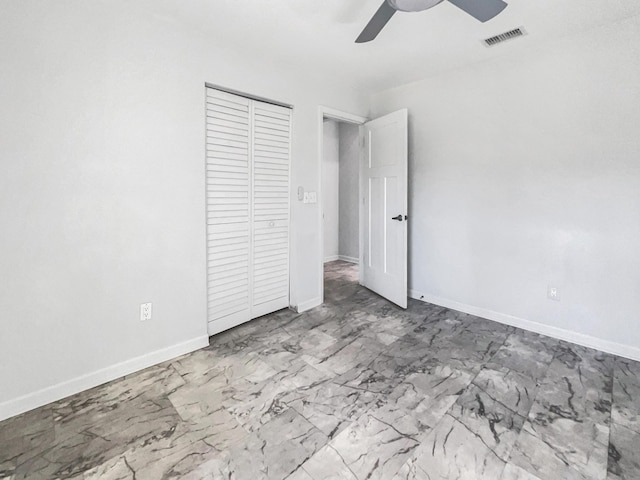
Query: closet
[(247, 181)]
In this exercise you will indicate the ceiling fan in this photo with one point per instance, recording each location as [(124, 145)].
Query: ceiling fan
[(482, 10)]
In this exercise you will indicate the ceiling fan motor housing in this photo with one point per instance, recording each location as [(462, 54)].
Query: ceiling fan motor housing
[(413, 5)]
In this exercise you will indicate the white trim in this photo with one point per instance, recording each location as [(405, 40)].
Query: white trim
[(334, 114), (79, 384), (344, 258), (361, 211), (248, 96), (326, 112), (607, 346), (308, 305), (331, 258)]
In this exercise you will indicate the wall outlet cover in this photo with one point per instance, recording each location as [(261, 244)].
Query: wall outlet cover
[(145, 312), (553, 293)]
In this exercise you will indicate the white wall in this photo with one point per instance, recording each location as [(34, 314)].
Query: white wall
[(330, 189), (349, 186), (102, 186), (525, 172)]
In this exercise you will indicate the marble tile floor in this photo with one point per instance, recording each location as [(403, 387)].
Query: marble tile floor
[(354, 389)]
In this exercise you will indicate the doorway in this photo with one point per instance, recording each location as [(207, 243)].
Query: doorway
[(339, 193), (379, 155)]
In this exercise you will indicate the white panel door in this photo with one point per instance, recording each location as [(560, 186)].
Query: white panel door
[(228, 209), (271, 158), (384, 186)]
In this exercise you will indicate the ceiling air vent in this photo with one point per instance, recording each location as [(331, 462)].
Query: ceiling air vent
[(503, 37)]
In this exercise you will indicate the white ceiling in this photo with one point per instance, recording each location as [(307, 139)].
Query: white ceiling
[(319, 35)]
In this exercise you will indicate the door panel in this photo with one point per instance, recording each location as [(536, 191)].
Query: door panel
[(228, 219), (384, 186), (376, 224), (272, 139)]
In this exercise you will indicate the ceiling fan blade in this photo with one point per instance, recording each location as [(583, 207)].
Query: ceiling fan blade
[(377, 23), (482, 10)]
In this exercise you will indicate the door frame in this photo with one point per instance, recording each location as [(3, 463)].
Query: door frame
[(333, 114)]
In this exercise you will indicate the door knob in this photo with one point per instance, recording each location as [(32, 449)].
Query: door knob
[(398, 217)]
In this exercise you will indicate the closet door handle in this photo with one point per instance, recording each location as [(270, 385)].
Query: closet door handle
[(398, 218)]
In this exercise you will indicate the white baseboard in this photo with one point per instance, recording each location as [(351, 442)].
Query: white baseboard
[(622, 350), (344, 258), (331, 258), (308, 305), (62, 390)]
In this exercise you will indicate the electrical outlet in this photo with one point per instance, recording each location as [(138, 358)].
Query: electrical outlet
[(313, 197), (553, 293), (145, 312)]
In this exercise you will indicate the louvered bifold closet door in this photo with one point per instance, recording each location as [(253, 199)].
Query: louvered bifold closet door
[(271, 163), (228, 170)]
